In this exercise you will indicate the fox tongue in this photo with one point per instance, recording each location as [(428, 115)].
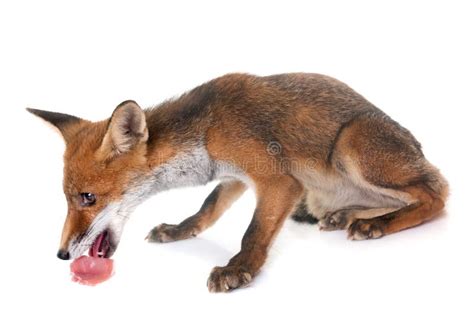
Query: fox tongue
[(99, 248)]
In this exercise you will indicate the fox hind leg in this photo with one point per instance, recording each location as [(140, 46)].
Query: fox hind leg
[(428, 206), (383, 157)]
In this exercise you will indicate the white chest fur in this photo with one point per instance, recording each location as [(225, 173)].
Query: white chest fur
[(189, 168)]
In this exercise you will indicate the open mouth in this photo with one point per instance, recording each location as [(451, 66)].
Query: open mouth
[(97, 267), (102, 246)]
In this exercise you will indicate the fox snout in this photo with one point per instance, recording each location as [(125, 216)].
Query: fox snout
[(98, 235), (75, 227)]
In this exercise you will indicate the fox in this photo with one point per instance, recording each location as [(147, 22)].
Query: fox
[(309, 146)]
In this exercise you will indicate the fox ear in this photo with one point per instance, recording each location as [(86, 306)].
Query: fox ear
[(58, 120), (127, 128)]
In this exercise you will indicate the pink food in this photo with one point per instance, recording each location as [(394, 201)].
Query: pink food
[(94, 269), (91, 270)]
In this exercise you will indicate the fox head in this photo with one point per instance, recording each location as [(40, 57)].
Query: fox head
[(103, 163)]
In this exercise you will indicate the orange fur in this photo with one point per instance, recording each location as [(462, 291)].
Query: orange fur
[(301, 141)]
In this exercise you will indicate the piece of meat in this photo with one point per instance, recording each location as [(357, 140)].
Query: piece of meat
[(95, 268), (91, 270)]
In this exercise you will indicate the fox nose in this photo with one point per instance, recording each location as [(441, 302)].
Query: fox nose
[(63, 254)]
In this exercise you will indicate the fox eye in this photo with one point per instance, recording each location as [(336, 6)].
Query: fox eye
[(87, 199)]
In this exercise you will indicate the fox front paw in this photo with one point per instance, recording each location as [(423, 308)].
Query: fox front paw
[(364, 229), (165, 233), (224, 279)]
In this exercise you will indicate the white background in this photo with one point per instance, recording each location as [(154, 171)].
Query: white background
[(413, 59)]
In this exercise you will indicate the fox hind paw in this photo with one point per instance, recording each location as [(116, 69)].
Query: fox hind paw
[(364, 229), (338, 220)]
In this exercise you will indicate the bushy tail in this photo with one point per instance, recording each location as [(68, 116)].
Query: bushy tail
[(301, 213), (436, 182)]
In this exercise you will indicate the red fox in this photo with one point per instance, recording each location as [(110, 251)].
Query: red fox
[(308, 145)]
